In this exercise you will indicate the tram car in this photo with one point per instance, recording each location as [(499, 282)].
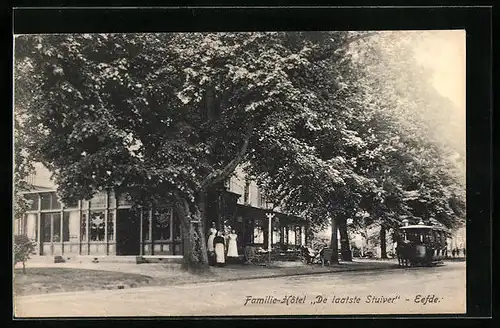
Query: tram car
[(421, 245)]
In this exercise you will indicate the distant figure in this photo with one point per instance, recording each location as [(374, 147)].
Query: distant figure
[(232, 247), (219, 246), (453, 252), (211, 236), (210, 243), (464, 251)]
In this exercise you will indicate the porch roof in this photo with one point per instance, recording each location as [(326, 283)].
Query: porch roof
[(260, 213)]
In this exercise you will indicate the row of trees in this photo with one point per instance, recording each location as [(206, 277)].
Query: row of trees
[(167, 117)]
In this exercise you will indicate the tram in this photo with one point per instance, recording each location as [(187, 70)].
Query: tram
[(421, 245)]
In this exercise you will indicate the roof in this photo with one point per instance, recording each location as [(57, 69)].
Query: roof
[(35, 189), (420, 226), (416, 226)]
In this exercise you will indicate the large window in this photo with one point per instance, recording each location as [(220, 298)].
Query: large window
[(162, 224), (71, 226), (51, 227), (96, 226), (49, 201)]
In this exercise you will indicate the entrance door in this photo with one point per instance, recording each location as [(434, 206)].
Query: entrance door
[(127, 233)]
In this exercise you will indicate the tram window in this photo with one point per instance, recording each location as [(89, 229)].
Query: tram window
[(429, 236), (413, 236)]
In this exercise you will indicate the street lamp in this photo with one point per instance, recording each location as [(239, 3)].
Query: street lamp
[(270, 217)]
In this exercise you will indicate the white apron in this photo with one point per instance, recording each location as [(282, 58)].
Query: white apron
[(210, 242), (219, 253), (232, 248)]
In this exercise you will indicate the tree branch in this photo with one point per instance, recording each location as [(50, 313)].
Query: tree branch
[(219, 175), (360, 37)]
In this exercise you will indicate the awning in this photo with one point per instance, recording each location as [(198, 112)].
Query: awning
[(256, 213)]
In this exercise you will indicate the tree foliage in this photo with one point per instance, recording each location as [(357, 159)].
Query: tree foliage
[(165, 116)]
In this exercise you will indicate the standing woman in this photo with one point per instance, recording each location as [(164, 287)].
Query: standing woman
[(210, 243), (220, 249), (232, 247)]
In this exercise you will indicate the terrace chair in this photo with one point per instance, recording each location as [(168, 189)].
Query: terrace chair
[(252, 256)]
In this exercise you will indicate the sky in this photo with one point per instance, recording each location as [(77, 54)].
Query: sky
[(444, 53)]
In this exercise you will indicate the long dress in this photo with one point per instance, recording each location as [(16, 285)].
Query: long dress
[(219, 250), (210, 242), (232, 247)]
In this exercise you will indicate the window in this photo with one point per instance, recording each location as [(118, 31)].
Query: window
[(51, 227), (413, 236), (260, 198), (429, 237), (110, 223), (99, 200), (162, 224), (258, 232), (96, 226), (57, 229), (125, 200), (49, 201), (71, 226), (177, 228), (46, 227), (246, 195), (46, 201), (31, 226), (291, 236), (32, 201), (276, 234), (298, 235), (112, 200)]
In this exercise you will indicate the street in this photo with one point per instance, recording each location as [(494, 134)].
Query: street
[(395, 291)]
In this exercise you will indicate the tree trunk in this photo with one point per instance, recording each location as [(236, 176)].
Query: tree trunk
[(383, 242), (24, 267), (195, 257), (345, 248), (334, 242)]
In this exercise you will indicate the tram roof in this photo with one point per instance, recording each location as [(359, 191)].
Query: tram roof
[(420, 226)]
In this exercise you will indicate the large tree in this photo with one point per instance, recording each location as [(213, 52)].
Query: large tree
[(166, 117)]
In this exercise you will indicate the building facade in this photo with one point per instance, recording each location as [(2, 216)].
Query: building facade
[(109, 225)]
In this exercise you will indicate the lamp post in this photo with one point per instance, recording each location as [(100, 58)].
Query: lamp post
[(270, 217)]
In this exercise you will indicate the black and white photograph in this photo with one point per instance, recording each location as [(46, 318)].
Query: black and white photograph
[(239, 173)]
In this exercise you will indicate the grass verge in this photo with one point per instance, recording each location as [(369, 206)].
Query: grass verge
[(53, 280)]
